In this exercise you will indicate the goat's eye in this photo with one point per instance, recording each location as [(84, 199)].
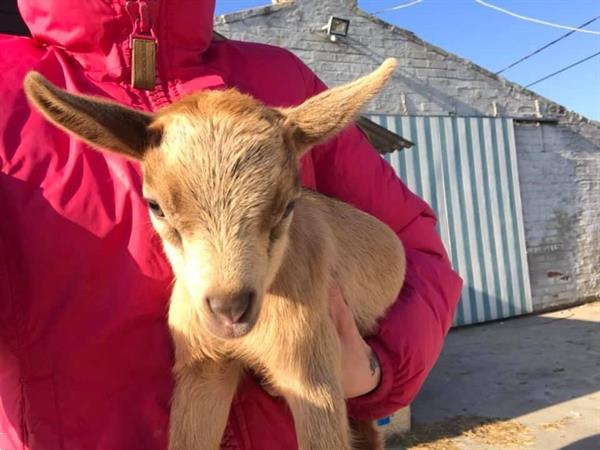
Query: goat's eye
[(288, 209), (278, 228), (155, 208)]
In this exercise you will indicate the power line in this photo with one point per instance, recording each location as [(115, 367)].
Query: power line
[(395, 8), (564, 69), (532, 19), (547, 45)]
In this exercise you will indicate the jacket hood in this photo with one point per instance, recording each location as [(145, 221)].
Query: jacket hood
[(97, 32)]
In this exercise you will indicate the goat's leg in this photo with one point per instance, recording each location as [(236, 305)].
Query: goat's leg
[(306, 371), (365, 435), (201, 404)]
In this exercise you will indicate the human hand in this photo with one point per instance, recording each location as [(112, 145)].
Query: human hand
[(361, 372)]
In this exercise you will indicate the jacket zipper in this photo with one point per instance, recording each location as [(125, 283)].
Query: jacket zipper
[(143, 46)]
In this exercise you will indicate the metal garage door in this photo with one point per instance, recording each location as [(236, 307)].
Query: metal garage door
[(466, 168)]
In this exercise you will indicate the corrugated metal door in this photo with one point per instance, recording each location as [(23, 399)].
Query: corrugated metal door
[(466, 168)]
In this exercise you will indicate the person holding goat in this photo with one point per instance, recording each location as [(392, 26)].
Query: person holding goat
[(85, 351)]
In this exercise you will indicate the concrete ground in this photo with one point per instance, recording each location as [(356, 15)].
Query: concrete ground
[(531, 382)]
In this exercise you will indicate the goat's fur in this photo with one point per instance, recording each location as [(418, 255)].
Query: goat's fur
[(223, 167)]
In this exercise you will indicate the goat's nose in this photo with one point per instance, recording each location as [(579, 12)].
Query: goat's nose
[(231, 308)]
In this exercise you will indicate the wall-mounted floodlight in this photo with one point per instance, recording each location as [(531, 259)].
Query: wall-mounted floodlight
[(336, 27)]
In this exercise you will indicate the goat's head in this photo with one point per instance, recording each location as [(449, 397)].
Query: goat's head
[(220, 174)]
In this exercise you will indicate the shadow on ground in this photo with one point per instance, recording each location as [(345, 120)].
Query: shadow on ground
[(589, 443), (535, 378)]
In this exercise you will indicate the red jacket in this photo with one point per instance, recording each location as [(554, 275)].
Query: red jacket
[(85, 353)]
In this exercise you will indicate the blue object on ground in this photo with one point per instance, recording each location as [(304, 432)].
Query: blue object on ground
[(384, 421)]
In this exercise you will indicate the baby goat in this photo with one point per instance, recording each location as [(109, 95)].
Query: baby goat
[(253, 252)]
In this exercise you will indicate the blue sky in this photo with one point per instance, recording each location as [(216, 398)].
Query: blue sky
[(494, 40)]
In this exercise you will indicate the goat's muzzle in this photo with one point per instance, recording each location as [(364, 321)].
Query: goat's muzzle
[(232, 315)]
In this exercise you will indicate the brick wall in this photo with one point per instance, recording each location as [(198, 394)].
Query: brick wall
[(560, 188), (559, 164)]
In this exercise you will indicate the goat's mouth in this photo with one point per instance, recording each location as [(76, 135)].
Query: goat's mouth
[(224, 330)]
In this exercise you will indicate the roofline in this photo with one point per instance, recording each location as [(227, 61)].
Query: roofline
[(252, 12), (561, 110)]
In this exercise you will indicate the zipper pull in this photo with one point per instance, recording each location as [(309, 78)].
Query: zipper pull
[(143, 63), (143, 45)]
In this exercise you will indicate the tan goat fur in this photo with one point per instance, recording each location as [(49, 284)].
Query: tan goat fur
[(221, 172)]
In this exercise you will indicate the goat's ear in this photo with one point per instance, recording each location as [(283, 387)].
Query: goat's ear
[(326, 114), (100, 123)]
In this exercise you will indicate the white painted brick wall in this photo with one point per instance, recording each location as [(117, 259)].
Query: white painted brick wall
[(560, 187), (559, 165)]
